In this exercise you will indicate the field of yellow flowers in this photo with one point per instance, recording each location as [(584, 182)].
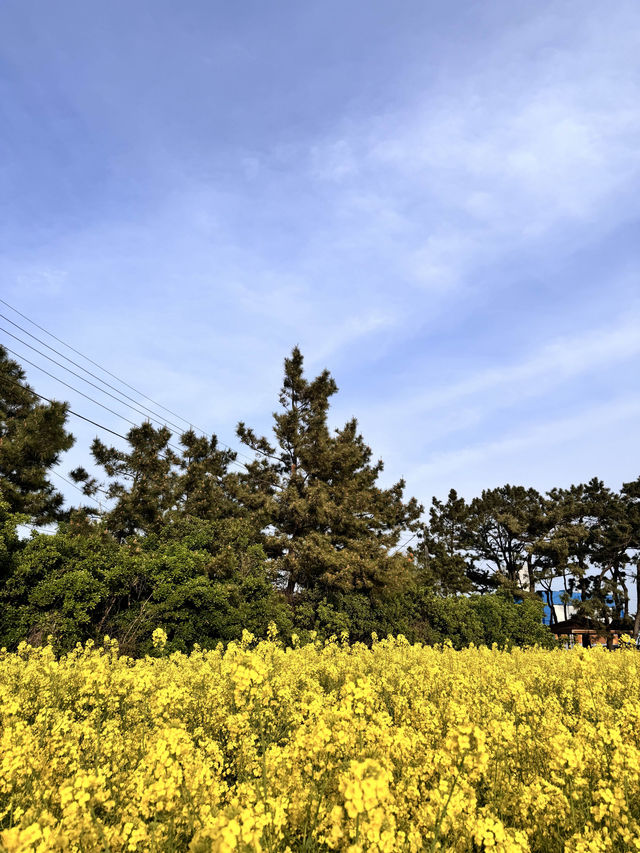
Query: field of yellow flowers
[(329, 746)]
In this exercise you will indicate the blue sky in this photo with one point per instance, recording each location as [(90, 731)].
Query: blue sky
[(437, 201)]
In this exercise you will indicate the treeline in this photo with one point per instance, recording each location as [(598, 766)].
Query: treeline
[(584, 541), (302, 535)]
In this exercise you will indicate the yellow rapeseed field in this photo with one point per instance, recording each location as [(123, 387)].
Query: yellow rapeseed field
[(258, 747)]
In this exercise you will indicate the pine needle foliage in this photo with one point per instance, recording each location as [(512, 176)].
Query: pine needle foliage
[(331, 526), (32, 437)]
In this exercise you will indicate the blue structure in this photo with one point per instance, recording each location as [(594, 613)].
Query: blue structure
[(556, 599)]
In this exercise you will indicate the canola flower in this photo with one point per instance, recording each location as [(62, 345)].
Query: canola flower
[(324, 747)]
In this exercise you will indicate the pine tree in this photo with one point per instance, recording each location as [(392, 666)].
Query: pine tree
[(32, 437), (589, 538), (443, 556), (152, 485), (205, 487), (631, 496), (331, 528), (488, 542), (502, 526)]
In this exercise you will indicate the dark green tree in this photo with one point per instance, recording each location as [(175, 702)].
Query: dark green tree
[(502, 526), (151, 484), (631, 497), (482, 620), (202, 582), (488, 542), (331, 528), (141, 481), (443, 555), (587, 549), (10, 542), (32, 438)]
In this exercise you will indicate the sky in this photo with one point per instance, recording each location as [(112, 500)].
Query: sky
[(439, 202)]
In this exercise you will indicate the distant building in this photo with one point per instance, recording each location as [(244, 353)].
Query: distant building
[(561, 611)]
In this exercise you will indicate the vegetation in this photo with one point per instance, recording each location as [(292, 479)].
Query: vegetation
[(32, 437), (184, 732), (303, 535), (323, 747)]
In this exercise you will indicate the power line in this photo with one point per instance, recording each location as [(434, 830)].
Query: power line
[(77, 488), (93, 385), (95, 363), (38, 529), (113, 375), (78, 391), (164, 421), (403, 545), (235, 462), (66, 384), (78, 376), (70, 411), (77, 414)]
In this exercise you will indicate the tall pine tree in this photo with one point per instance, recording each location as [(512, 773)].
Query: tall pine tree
[(32, 438), (330, 527), (152, 485)]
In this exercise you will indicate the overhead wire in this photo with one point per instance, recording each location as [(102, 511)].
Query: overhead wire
[(78, 391), (66, 384), (77, 488), (70, 411), (93, 385), (164, 421), (79, 376), (114, 376), (403, 545), (95, 363), (96, 402), (157, 418)]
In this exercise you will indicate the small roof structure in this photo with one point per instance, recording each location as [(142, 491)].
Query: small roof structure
[(583, 625), (586, 632), (575, 625)]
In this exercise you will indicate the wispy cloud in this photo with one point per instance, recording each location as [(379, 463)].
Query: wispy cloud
[(533, 148), (446, 233), (491, 463), (550, 365)]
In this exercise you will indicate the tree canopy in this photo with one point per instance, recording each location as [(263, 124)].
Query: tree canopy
[(305, 534), (33, 436), (332, 527)]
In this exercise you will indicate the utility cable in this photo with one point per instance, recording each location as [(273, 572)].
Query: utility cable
[(77, 390), (77, 488), (93, 385), (164, 421), (113, 375), (66, 384), (235, 462), (403, 545), (77, 414), (79, 376), (95, 363), (70, 411)]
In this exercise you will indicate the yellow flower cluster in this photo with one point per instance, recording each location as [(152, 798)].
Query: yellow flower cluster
[(323, 747)]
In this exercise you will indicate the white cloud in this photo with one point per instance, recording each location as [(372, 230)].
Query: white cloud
[(552, 364), (552, 453), (334, 161), (531, 149), (540, 435)]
